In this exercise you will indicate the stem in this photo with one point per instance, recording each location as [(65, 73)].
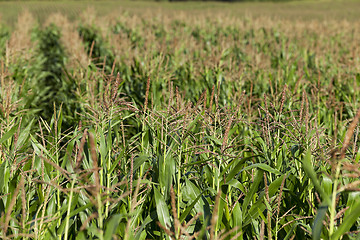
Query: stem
[(108, 175), (68, 211), (101, 225), (333, 203), (178, 191)]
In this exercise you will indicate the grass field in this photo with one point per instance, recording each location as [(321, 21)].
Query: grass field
[(146, 120)]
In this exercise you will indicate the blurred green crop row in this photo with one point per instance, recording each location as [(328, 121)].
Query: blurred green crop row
[(163, 126)]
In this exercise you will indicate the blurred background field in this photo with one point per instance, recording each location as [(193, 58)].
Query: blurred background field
[(196, 120), (301, 10)]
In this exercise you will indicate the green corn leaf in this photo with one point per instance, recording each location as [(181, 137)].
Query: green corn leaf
[(215, 140), (275, 185), (237, 216), (236, 169), (190, 193), (348, 221), (162, 209), (312, 175), (189, 208), (192, 124), (254, 212), (253, 189), (24, 135), (357, 157), (194, 163), (81, 236), (37, 147), (223, 212), (117, 160), (80, 209), (8, 134), (262, 166), (138, 161), (236, 184), (150, 218), (112, 225), (291, 232), (4, 176), (318, 222), (327, 184)]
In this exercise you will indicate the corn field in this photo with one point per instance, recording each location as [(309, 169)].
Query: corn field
[(174, 125)]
